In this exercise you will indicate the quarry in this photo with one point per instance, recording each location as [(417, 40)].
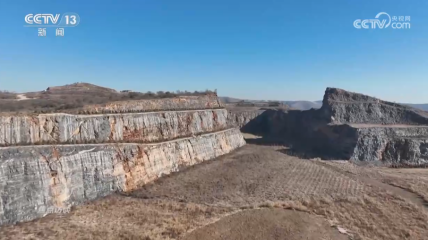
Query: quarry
[(351, 126), (190, 166)]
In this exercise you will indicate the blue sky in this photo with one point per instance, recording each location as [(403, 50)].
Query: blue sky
[(254, 49)]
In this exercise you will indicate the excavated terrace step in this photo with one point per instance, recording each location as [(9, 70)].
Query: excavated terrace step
[(34, 180)]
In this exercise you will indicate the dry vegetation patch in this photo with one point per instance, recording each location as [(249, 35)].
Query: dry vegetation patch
[(6, 95), (78, 95)]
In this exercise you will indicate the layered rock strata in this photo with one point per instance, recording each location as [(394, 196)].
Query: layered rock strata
[(50, 162), (381, 131), (130, 127), (34, 179)]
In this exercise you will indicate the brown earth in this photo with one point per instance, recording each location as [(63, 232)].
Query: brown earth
[(256, 192), (268, 224)]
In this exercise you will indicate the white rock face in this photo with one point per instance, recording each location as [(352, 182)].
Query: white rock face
[(130, 127), (35, 180)]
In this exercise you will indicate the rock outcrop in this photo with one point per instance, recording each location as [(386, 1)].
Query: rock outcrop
[(82, 157), (377, 131), (341, 106), (398, 146), (351, 126), (127, 127), (37, 178)]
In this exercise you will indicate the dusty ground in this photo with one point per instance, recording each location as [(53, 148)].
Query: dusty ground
[(256, 192), (20, 97), (268, 224)]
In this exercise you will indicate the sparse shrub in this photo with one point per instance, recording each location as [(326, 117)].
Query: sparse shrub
[(7, 95), (60, 100)]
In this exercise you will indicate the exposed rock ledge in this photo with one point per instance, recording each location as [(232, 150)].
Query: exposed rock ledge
[(34, 179), (178, 103), (131, 127)]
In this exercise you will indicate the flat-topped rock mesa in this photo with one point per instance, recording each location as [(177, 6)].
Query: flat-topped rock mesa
[(57, 160), (340, 106)]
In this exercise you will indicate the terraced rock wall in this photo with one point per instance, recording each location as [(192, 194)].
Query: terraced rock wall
[(35, 179), (54, 161), (130, 127)]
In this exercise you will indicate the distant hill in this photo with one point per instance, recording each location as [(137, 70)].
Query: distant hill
[(79, 88), (303, 104), (419, 106)]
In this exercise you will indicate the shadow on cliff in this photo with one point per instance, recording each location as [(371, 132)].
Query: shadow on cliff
[(304, 134)]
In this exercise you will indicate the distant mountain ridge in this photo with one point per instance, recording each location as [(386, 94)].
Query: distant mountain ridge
[(418, 106), (306, 105)]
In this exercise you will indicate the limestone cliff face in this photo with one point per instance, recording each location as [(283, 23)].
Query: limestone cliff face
[(340, 106), (34, 179), (351, 126), (52, 160), (395, 146), (130, 127), (385, 132)]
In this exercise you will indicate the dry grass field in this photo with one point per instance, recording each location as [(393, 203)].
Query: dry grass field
[(256, 192)]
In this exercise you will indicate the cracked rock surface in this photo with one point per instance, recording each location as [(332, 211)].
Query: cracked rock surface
[(351, 126), (130, 127), (35, 179), (340, 106)]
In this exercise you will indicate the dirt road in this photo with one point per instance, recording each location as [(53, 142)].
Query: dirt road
[(21, 97)]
